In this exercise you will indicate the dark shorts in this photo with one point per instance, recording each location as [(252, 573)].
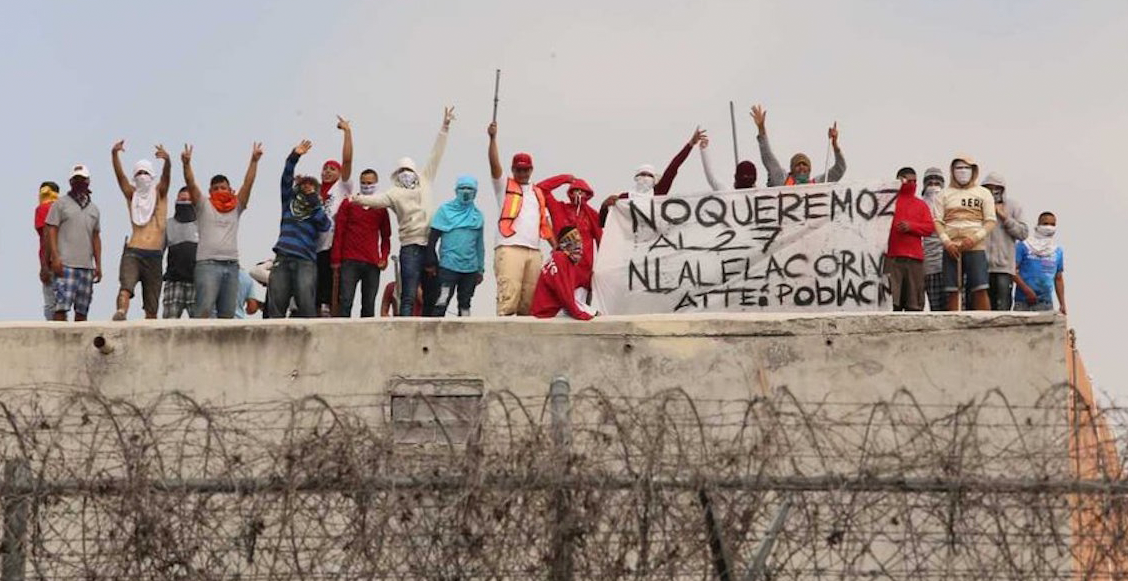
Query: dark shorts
[(906, 282), (142, 266), (974, 271)]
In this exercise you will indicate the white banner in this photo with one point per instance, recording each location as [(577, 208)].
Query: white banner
[(813, 248)]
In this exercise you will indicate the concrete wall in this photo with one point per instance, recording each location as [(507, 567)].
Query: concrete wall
[(941, 358)]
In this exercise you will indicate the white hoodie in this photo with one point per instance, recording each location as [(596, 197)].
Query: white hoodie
[(413, 206)]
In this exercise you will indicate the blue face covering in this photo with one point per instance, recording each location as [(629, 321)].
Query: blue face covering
[(461, 211)]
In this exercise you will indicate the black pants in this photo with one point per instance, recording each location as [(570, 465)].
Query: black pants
[(368, 275), (324, 279), (1001, 291), (450, 282)]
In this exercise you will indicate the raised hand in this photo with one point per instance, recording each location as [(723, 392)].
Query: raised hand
[(492, 130), (256, 151), (186, 155), (118, 147), (342, 124), (698, 135), (303, 147), (448, 116), (161, 154), (704, 142), (760, 117), (832, 133)]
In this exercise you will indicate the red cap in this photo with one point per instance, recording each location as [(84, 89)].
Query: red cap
[(522, 161), (333, 164)]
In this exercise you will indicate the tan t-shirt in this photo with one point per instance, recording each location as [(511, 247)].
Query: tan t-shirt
[(965, 213), (151, 235)]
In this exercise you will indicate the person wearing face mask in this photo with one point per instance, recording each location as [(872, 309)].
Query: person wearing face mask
[(48, 193), (362, 241), (147, 200), (743, 179), (294, 273), (578, 213), (217, 256), (336, 186), (904, 257), (523, 222), (1000, 244), (964, 216), (458, 231), (933, 247), (411, 200), (800, 166), (74, 245), (182, 237), (558, 286), (647, 185), (1040, 268)]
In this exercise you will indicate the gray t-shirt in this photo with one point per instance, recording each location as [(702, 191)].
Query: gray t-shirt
[(219, 232), (77, 226)]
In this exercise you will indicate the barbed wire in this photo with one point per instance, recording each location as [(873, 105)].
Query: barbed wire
[(589, 485)]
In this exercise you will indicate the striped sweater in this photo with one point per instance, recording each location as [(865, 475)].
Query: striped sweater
[(303, 218)]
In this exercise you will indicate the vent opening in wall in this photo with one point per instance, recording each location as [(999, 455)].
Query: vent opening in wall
[(435, 411)]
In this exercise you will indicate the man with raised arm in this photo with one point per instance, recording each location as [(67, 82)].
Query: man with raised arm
[(294, 274), (800, 165), (647, 185), (743, 179), (147, 200), (336, 186), (217, 256), (411, 200), (522, 223), (576, 212)]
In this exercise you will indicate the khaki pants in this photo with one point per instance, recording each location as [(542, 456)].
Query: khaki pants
[(517, 269)]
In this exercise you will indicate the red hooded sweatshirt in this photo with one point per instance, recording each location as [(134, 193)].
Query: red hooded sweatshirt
[(916, 213), (583, 218), (556, 289)]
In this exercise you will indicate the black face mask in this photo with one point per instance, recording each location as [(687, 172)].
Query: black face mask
[(185, 212)]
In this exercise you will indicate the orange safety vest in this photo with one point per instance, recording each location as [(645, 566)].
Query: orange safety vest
[(511, 208)]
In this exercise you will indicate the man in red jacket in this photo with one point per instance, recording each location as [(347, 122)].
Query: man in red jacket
[(558, 282), (904, 260), (577, 213), (362, 240)]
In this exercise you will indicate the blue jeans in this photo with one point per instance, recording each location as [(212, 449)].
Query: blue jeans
[(411, 275), (368, 275), (450, 282), (292, 278), (217, 288)]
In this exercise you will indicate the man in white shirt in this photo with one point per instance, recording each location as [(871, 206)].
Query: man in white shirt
[(522, 223)]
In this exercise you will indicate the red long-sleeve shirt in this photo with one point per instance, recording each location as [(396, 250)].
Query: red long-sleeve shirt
[(916, 213), (556, 289), (582, 217), (361, 234)]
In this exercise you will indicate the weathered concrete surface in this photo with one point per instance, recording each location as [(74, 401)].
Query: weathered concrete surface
[(941, 358)]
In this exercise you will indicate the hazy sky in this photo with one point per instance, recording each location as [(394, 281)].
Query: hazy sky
[(1035, 90)]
